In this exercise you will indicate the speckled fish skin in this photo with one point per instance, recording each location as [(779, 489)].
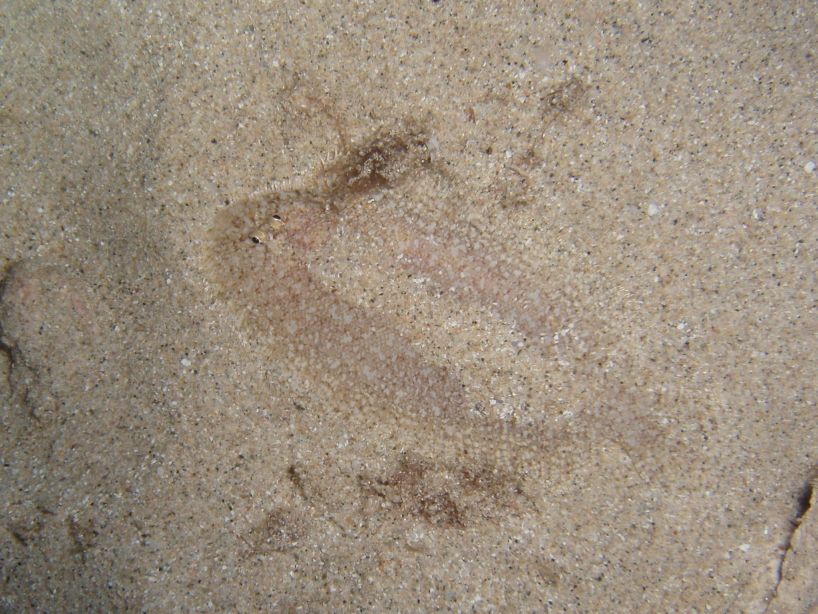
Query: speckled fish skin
[(260, 251)]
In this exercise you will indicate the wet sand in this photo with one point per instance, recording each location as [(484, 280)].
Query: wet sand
[(547, 349)]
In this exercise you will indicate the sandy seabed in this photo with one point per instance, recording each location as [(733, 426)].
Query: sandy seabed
[(408, 307)]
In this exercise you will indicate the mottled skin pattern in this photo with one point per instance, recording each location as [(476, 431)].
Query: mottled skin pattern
[(259, 258)]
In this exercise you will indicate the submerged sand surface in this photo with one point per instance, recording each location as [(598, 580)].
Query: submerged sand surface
[(408, 307)]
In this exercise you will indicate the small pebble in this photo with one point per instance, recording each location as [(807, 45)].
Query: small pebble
[(810, 166), (653, 209), (186, 362)]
